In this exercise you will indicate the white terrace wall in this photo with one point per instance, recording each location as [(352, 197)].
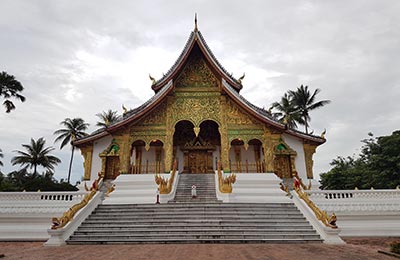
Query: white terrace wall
[(362, 212), (26, 216)]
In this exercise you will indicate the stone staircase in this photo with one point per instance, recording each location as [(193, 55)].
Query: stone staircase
[(203, 219), (205, 186), (195, 223)]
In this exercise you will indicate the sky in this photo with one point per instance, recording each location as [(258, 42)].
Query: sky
[(79, 58)]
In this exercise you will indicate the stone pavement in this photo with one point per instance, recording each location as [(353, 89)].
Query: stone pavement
[(357, 248)]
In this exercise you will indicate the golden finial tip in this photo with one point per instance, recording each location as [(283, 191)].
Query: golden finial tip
[(241, 78), (153, 80), (195, 22)]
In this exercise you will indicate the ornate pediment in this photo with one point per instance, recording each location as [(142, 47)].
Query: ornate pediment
[(235, 116), (156, 117), (196, 74)]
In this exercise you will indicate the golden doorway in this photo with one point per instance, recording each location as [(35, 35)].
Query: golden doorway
[(282, 166), (112, 167), (198, 161)]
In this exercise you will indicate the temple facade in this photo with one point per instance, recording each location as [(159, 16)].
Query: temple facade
[(197, 118)]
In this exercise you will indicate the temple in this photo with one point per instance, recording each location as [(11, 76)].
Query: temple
[(197, 118)]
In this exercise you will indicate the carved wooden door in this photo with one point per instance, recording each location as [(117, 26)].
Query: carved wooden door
[(282, 166), (112, 167), (198, 161)]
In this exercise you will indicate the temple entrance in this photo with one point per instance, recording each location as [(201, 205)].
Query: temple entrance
[(197, 153), (198, 161), (282, 166), (112, 167)]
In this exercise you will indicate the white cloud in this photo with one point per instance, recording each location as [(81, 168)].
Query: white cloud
[(77, 59)]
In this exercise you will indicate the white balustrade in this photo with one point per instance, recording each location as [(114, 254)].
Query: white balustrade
[(40, 196), (377, 202)]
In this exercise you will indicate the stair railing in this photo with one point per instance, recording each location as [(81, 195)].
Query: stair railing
[(225, 183), (165, 184), (70, 213), (321, 215)]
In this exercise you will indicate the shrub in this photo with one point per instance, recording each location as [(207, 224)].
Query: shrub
[(395, 247)]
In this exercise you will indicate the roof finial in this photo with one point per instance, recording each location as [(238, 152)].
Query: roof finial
[(195, 22)]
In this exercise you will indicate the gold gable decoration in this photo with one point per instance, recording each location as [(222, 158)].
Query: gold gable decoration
[(196, 74), (157, 116), (236, 117)]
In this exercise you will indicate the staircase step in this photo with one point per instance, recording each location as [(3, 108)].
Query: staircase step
[(203, 219)]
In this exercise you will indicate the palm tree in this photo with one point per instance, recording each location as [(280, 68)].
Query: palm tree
[(288, 113), (305, 102), (73, 129), (1, 156), (107, 118), (36, 155), (10, 87)]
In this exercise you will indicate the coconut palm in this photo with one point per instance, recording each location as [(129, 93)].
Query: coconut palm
[(36, 154), (107, 118), (306, 102), (288, 113), (10, 88), (73, 129)]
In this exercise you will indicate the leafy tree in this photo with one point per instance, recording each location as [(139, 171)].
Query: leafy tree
[(73, 129), (22, 180), (10, 88), (305, 102), (288, 113), (107, 118), (377, 166), (36, 155)]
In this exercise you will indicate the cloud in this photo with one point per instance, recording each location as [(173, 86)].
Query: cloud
[(77, 59)]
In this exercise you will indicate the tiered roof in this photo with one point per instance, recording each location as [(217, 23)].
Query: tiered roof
[(164, 86)]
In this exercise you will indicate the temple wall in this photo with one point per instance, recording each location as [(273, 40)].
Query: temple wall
[(98, 147), (300, 161)]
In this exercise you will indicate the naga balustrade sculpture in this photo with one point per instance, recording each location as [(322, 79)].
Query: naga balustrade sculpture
[(225, 183), (329, 221), (70, 213), (165, 185)]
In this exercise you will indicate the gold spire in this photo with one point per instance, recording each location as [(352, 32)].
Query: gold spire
[(195, 22)]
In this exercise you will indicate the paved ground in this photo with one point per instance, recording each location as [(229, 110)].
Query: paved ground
[(357, 248)]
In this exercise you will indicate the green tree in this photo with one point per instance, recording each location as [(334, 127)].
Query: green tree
[(305, 102), (288, 113), (73, 129), (10, 88), (107, 118), (36, 155), (22, 180), (378, 166)]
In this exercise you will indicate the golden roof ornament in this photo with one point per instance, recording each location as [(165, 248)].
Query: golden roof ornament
[(195, 22), (323, 134), (241, 78), (125, 110), (153, 80)]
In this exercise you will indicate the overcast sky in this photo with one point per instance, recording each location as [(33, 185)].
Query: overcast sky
[(78, 58)]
